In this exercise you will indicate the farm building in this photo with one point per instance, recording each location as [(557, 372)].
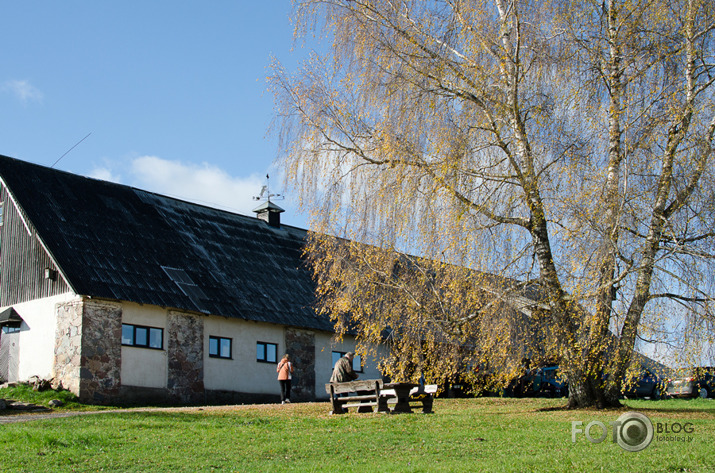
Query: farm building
[(125, 295)]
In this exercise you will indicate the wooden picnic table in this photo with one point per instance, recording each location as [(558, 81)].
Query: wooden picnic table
[(418, 396), (402, 393), (369, 393)]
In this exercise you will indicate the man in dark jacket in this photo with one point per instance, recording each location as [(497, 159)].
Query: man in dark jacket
[(343, 370)]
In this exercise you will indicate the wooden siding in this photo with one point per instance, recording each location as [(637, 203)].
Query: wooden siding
[(23, 259)]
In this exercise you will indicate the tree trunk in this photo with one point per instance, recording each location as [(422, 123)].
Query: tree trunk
[(589, 391)]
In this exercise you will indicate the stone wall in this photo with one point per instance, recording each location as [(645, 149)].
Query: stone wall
[(100, 364), (68, 345), (88, 349), (300, 345), (88, 355), (185, 354)]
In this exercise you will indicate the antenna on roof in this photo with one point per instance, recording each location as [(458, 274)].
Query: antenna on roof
[(67, 152), (266, 195)]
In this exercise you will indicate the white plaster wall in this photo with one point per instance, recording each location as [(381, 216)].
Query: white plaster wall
[(149, 368), (324, 347), (242, 373), (37, 335), (144, 367)]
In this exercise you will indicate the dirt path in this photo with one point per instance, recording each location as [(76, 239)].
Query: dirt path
[(30, 416), (26, 417)]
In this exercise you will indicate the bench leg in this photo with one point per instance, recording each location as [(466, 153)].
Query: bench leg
[(427, 405), (337, 404), (382, 404), (338, 407)]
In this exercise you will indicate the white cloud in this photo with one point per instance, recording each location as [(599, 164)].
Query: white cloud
[(203, 184), (105, 174), (23, 90)]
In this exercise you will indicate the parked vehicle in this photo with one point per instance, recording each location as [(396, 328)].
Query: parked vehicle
[(700, 382), (645, 384), (547, 383), (539, 382)]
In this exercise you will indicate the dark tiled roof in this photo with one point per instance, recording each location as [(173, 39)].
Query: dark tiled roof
[(117, 242)]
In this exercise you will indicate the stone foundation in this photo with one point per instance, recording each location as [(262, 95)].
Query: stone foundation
[(216, 397)]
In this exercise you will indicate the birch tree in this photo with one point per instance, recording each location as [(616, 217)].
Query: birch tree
[(488, 180)]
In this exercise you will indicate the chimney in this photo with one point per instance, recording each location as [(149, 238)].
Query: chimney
[(269, 213)]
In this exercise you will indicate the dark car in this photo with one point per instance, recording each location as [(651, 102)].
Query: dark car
[(645, 384), (539, 382), (548, 383), (699, 382)]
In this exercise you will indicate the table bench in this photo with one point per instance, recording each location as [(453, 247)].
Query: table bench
[(405, 394), (363, 394)]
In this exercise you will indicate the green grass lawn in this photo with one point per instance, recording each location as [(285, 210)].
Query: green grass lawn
[(485, 434)]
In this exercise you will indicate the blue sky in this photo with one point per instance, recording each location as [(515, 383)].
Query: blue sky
[(174, 93)]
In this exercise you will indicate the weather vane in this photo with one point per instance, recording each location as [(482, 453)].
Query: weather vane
[(266, 194)]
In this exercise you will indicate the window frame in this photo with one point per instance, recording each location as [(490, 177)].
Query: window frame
[(218, 346), (357, 359), (148, 343), (11, 328), (265, 352)]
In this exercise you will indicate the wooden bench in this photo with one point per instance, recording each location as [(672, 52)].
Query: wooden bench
[(363, 394), (421, 396)]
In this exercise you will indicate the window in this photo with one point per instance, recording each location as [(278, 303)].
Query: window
[(187, 286), (140, 336), (11, 328), (267, 352), (357, 361), (220, 347)]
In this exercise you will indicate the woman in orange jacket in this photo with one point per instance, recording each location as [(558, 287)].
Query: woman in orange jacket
[(285, 374)]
